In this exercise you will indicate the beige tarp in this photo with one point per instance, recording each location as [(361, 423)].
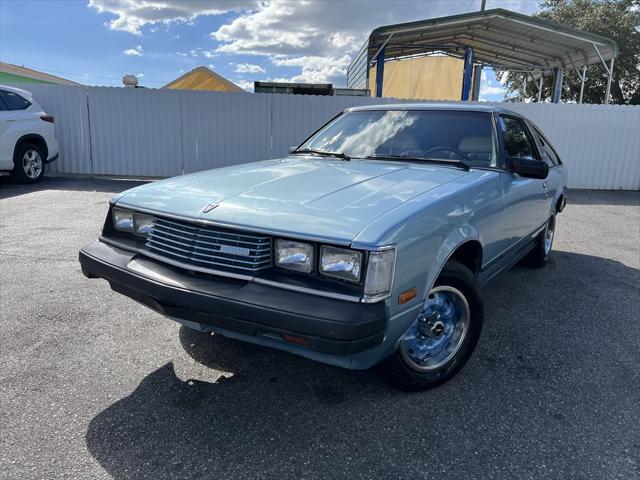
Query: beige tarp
[(422, 78)]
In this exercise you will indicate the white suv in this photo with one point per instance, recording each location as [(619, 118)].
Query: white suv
[(27, 139)]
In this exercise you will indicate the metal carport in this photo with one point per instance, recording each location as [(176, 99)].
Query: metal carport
[(498, 38)]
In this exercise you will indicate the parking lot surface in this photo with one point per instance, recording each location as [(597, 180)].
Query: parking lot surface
[(93, 385)]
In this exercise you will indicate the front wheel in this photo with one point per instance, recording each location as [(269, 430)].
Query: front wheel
[(443, 336)]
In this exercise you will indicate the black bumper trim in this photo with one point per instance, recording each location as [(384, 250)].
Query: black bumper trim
[(328, 325)]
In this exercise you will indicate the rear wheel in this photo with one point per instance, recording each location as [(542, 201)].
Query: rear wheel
[(539, 255), (28, 163), (441, 339)]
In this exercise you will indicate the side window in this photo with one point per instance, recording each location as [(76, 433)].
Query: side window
[(548, 153), (13, 101), (516, 141), (3, 107)]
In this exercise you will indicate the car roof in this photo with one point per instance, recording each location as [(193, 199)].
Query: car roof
[(457, 107), (24, 93)]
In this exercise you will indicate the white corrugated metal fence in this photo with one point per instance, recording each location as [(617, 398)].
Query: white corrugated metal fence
[(160, 133)]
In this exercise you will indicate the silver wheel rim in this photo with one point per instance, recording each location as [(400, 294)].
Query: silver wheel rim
[(435, 337), (548, 236), (32, 164)]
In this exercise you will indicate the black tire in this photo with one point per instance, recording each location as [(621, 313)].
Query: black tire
[(398, 372), (23, 174), (539, 255)]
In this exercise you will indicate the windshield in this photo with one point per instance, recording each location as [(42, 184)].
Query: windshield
[(437, 134)]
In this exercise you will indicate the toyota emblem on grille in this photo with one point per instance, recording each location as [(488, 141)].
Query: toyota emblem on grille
[(209, 207)]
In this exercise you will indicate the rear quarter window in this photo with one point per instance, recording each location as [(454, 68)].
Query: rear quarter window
[(13, 101)]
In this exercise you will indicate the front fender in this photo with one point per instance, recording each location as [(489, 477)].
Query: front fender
[(456, 238)]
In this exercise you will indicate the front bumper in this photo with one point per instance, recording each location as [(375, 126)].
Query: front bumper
[(325, 329)]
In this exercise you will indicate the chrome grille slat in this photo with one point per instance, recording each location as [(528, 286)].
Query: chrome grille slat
[(196, 227), (200, 245), (173, 241)]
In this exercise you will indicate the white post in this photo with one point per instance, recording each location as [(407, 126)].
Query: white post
[(610, 74), (583, 77), (540, 86)]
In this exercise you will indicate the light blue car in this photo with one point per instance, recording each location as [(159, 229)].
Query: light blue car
[(366, 246)]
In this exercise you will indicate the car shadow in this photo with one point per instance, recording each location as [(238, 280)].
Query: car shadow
[(275, 415), (10, 189)]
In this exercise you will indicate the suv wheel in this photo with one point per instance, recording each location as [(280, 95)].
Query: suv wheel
[(441, 339), (28, 163)]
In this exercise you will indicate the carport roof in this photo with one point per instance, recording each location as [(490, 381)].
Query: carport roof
[(498, 37)]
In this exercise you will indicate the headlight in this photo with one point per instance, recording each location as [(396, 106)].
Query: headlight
[(340, 263), (294, 255), (142, 224), (380, 273), (122, 220), (132, 222)]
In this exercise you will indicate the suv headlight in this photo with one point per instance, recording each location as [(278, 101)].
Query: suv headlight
[(340, 263), (294, 255), (379, 279)]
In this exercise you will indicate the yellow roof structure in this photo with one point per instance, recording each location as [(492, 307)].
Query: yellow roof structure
[(201, 78)]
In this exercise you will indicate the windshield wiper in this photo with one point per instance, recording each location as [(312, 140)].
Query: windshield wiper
[(391, 156), (322, 153)]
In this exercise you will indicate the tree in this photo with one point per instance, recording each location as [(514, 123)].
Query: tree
[(616, 19)]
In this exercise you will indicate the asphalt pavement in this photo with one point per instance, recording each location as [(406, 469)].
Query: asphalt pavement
[(94, 385)]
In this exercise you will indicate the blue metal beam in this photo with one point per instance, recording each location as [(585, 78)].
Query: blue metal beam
[(467, 74), (558, 77), (380, 72)]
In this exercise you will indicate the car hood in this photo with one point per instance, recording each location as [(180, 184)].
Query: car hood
[(305, 197)]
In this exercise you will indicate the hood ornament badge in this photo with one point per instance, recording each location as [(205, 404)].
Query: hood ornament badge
[(209, 207)]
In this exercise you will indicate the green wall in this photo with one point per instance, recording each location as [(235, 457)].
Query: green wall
[(6, 77)]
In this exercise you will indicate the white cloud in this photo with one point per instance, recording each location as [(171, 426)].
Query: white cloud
[(135, 52), (140, 75), (315, 69), (249, 68), (244, 84), (132, 15), (489, 88), (319, 35)]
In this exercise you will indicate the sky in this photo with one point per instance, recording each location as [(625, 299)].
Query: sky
[(96, 42)]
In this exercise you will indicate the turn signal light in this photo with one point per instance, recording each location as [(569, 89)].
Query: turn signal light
[(407, 295)]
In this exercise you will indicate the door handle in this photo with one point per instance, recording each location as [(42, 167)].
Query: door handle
[(544, 186)]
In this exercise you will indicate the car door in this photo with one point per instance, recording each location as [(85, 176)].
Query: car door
[(524, 199)]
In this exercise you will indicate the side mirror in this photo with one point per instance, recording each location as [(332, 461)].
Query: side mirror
[(528, 168)]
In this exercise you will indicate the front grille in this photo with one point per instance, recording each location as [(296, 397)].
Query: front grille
[(210, 247)]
